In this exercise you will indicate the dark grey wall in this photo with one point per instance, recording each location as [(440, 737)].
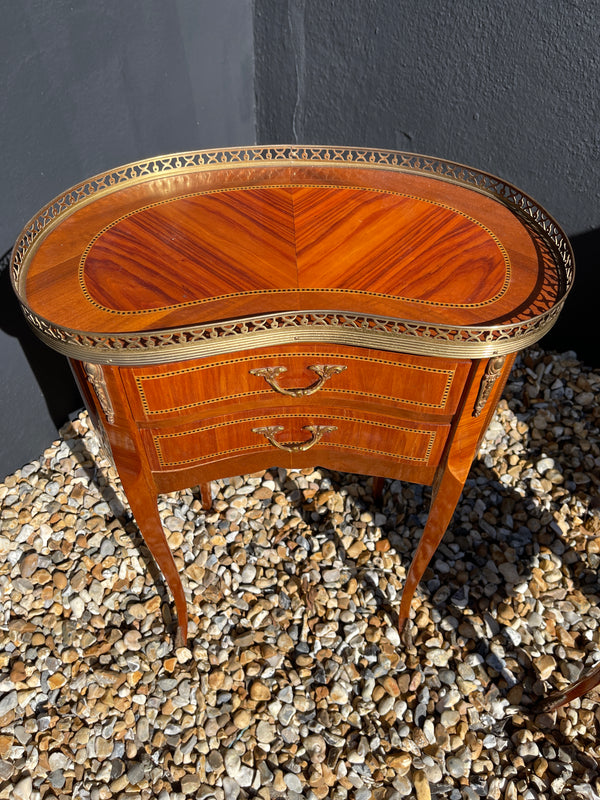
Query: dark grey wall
[(86, 86), (509, 87)]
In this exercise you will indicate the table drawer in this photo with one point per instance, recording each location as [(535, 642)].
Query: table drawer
[(312, 374), (281, 435)]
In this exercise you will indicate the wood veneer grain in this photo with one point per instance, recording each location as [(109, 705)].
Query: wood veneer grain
[(371, 378), (143, 258)]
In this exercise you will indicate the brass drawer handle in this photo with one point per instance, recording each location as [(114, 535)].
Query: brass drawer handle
[(317, 433), (324, 372)]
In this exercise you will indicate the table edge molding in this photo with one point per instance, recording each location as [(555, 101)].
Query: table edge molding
[(147, 346), (335, 327)]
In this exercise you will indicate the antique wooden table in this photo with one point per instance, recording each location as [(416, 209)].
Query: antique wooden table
[(228, 311)]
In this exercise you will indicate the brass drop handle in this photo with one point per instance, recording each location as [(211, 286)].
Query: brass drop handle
[(323, 371), (317, 433)]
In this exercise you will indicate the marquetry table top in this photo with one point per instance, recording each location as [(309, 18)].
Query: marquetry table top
[(166, 253)]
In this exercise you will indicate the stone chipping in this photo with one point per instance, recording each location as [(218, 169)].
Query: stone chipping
[(295, 682)]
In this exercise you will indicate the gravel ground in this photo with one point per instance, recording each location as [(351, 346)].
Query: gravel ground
[(296, 683)]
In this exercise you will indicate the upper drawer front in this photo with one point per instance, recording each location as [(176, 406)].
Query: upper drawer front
[(332, 374)]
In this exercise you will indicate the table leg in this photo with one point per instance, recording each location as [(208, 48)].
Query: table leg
[(445, 497), (453, 471), (572, 692), (127, 452), (205, 495), (377, 491), (143, 503)]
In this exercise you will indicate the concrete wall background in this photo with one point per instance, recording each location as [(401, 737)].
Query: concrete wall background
[(508, 87), (87, 86), (504, 86)]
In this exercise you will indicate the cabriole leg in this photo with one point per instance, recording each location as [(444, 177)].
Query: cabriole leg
[(205, 490), (143, 502), (476, 411), (572, 692), (443, 503), (377, 491)]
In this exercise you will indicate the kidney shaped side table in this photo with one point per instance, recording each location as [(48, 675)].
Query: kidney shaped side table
[(228, 311)]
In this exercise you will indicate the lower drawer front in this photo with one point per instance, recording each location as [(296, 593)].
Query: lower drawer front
[(282, 435)]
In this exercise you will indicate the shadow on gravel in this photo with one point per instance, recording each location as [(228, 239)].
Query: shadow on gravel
[(97, 477)]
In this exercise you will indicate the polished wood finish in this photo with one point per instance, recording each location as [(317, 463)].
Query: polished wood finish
[(366, 378), (124, 446), (451, 475), (393, 244), (227, 313)]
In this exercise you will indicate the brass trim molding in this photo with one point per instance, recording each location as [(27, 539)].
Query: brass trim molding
[(380, 333), (489, 378), (397, 335), (96, 378)]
